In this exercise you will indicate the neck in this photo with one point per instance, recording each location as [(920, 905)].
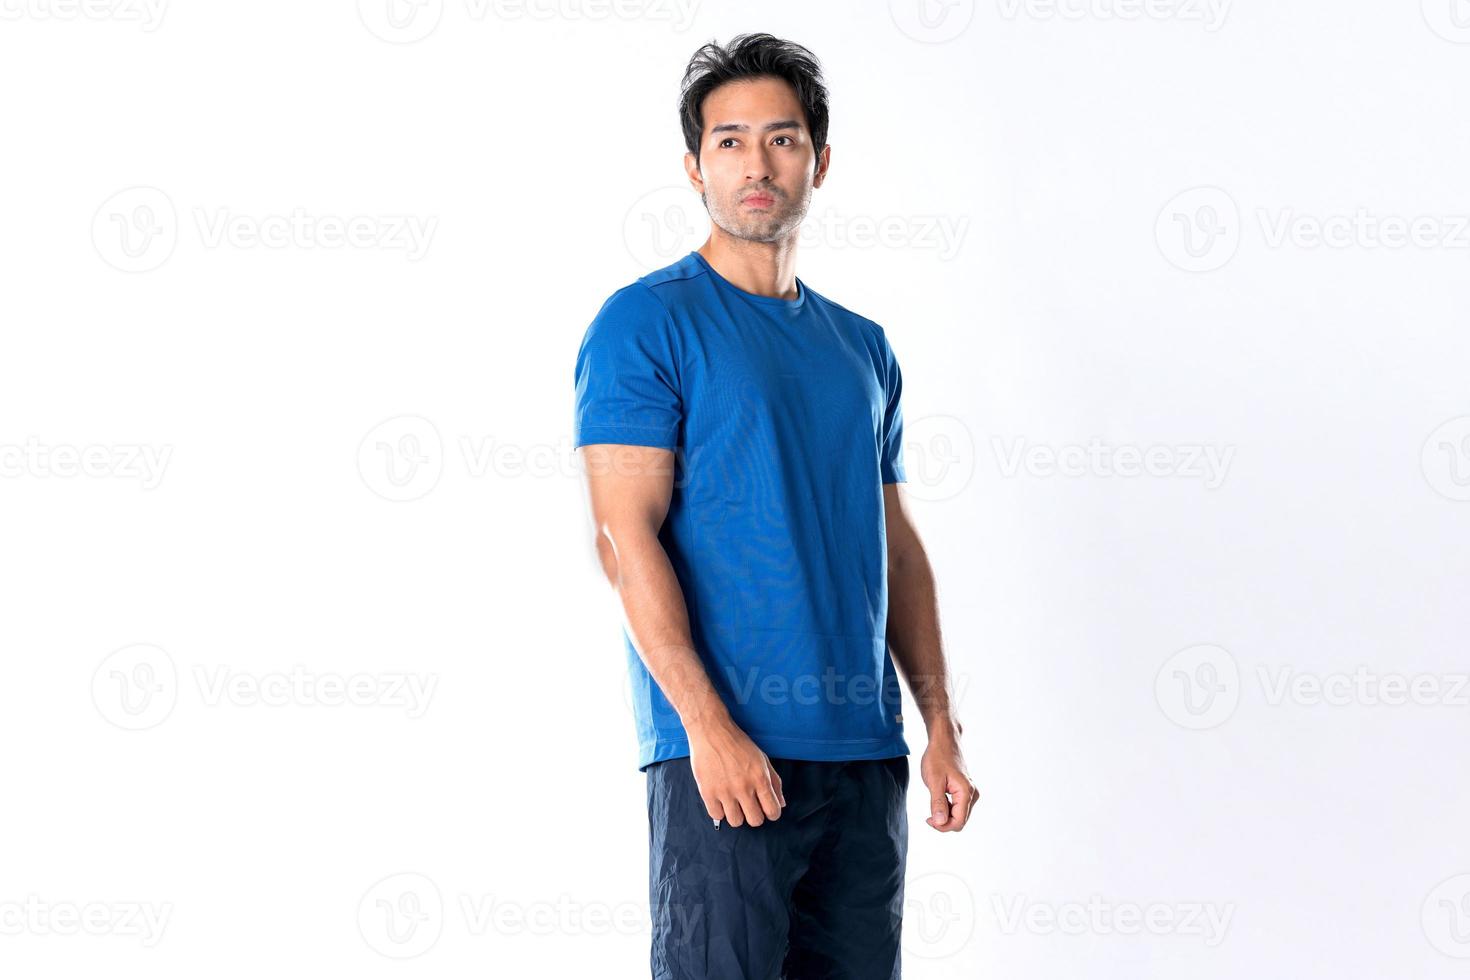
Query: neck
[(762, 268)]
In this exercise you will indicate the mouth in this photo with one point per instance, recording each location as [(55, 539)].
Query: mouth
[(758, 200)]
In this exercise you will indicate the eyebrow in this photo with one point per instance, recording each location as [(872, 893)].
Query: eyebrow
[(742, 128)]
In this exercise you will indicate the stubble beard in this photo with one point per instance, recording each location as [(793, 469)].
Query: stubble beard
[(779, 221)]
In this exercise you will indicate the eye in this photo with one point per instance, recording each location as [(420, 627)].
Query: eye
[(783, 137), (727, 139)]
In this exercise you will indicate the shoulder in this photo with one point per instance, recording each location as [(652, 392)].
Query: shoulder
[(869, 330), (645, 303)]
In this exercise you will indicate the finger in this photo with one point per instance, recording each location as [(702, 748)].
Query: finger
[(766, 799), (964, 797), (776, 785), (755, 815), (714, 807), (734, 815), (938, 810)]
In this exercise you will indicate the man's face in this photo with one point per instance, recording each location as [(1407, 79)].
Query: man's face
[(755, 171)]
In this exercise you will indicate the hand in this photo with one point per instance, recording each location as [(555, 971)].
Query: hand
[(951, 794), (735, 778)]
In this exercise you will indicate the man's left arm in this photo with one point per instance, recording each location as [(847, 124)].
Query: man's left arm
[(918, 653)]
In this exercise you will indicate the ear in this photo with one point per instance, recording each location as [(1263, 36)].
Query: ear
[(824, 161), (691, 169)]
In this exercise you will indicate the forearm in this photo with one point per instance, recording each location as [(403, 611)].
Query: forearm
[(916, 643), (657, 620)]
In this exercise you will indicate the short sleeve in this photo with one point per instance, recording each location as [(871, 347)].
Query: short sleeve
[(627, 374), (891, 462)]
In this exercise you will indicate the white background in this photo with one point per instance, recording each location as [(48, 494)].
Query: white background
[(1088, 231)]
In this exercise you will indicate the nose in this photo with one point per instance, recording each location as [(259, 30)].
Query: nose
[(757, 164)]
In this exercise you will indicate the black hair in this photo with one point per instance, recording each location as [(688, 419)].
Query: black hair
[(752, 56)]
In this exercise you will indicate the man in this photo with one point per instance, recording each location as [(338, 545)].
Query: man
[(742, 437)]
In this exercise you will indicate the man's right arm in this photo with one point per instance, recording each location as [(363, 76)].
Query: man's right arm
[(631, 488)]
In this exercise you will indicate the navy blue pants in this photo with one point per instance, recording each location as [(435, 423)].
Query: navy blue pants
[(815, 895)]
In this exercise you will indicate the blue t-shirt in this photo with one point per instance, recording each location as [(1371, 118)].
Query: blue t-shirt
[(785, 421)]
